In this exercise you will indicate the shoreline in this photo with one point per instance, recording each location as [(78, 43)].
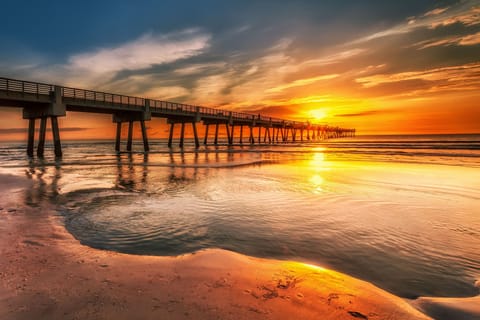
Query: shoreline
[(45, 273)]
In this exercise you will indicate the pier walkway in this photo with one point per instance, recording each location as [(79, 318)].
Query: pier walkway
[(41, 101)]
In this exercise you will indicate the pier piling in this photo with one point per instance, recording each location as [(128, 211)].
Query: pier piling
[(197, 144), (130, 135), (206, 134), (118, 136), (146, 147), (31, 137), (41, 137)]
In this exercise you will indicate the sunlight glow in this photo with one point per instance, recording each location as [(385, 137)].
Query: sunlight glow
[(318, 160), (302, 266), (318, 164), (318, 114), (317, 182)]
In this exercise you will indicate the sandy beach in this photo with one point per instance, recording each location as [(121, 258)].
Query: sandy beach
[(47, 274)]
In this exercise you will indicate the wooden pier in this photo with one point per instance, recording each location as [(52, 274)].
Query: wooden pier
[(41, 101)]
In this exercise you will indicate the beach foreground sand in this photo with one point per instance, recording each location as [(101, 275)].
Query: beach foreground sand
[(45, 273)]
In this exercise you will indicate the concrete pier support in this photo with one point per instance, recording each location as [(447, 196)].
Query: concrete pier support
[(131, 117), (182, 135), (53, 108), (206, 134), (215, 141), (232, 133), (146, 147), (57, 146), (130, 136), (251, 138), (41, 137), (195, 135), (31, 137), (118, 136), (229, 138), (241, 134), (119, 119), (170, 136)]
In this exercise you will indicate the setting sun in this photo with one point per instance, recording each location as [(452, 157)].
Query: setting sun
[(318, 114)]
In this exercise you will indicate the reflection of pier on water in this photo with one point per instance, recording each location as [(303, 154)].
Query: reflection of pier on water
[(147, 173), (44, 182)]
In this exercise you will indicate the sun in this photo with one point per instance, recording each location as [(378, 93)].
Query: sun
[(318, 114)]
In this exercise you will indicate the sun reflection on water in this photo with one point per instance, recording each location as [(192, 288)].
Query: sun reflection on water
[(318, 164)]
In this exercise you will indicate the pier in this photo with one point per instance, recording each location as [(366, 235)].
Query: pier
[(43, 102)]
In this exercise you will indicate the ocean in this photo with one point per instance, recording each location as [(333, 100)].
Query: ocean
[(402, 212)]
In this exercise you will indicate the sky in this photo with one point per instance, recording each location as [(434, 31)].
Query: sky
[(382, 67)]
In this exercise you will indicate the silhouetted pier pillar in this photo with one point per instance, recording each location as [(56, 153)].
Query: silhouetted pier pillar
[(195, 135), (183, 121), (215, 141), (229, 139), (130, 117), (57, 146), (118, 136), (182, 135), (146, 147), (41, 136), (130, 136), (251, 139), (206, 134), (241, 134), (170, 136), (232, 134), (53, 107), (31, 137)]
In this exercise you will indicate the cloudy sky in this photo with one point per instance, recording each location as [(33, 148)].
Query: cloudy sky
[(379, 66)]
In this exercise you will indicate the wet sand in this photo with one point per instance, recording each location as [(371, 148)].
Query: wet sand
[(45, 273)]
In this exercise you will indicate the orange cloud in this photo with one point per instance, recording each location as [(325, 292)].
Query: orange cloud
[(458, 77), (302, 82), (468, 40)]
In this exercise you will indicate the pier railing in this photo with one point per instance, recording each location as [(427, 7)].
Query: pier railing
[(25, 87), (102, 99)]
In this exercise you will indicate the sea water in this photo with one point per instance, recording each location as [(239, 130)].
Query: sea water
[(402, 212)]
